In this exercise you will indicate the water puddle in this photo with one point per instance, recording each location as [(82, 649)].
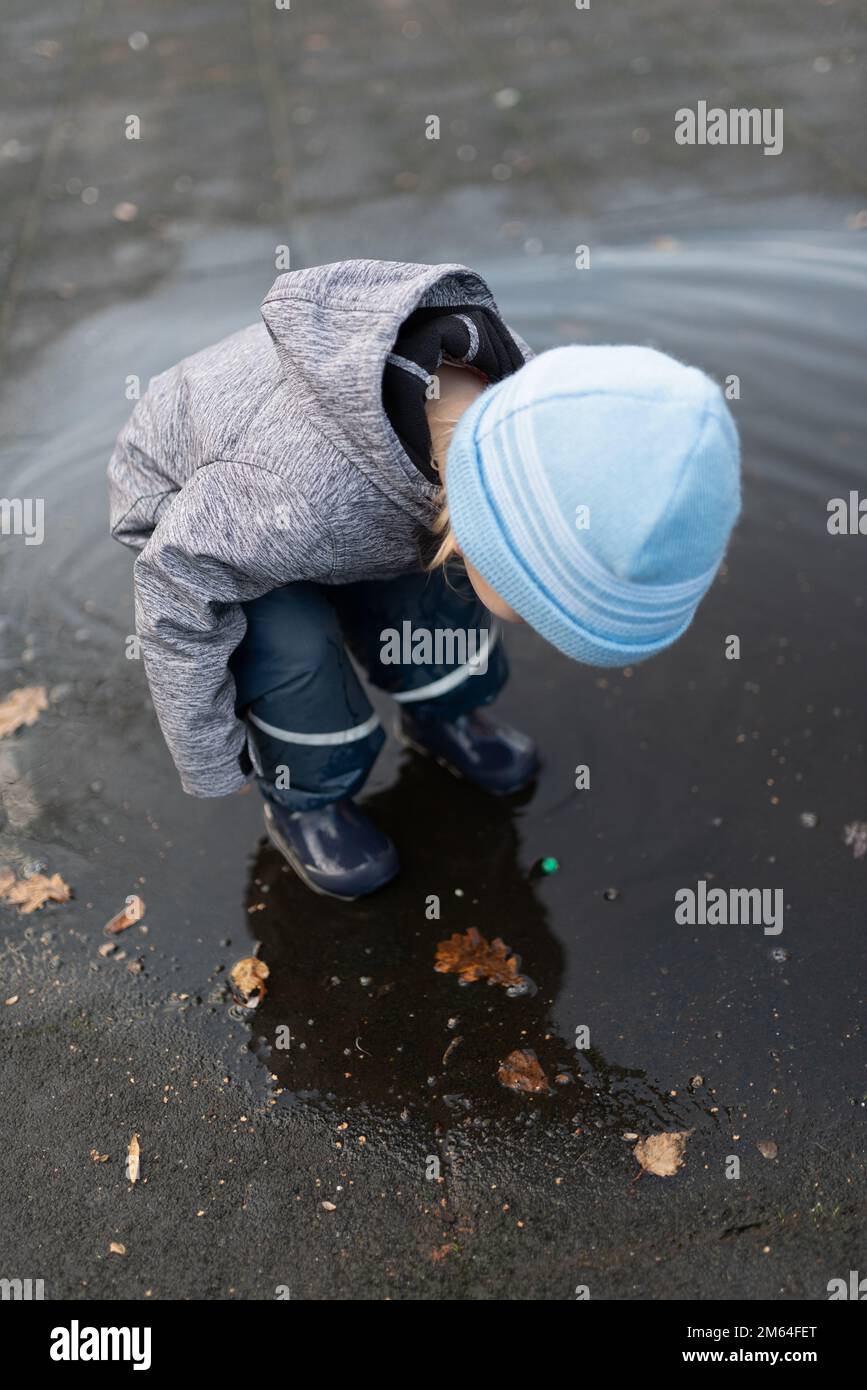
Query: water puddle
[(700, 767)]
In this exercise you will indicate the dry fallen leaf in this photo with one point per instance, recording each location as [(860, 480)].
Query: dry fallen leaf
[(13, 999), (471, 957), (248, 978), (33, 891), (328, 1206), (133, 1155), (22, 706), (132, 911), (116, 1248), (522, 1071), (442, 1251), (767, 1148), (98, 1157), (662, 1154)]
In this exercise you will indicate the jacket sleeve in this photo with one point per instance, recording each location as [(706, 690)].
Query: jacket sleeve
[(232, 533), (142, 471)]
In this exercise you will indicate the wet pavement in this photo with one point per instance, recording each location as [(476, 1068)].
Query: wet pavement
[(366, 1080)]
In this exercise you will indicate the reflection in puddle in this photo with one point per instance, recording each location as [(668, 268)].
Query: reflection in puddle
[(356, 1012)]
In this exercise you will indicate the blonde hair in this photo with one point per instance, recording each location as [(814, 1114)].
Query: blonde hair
[(442, 528)]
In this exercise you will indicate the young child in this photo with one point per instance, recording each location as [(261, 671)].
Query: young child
[(297, 491)]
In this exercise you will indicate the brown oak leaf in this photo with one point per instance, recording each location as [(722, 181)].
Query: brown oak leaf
[(469, 956), (248, 978), (22, 706), (662, 1154), (522, 1071), (34, 891)]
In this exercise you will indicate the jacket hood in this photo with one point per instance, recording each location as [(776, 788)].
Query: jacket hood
[(333, 327)]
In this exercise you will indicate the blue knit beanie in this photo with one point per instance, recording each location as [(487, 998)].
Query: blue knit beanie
[(595, 490)]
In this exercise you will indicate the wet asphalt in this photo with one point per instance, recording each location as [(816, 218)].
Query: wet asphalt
[(366, 1081)]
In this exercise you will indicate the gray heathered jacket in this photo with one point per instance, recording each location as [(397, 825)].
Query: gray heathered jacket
[(262, 461)]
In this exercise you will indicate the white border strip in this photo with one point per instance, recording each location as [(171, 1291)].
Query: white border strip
[(473, 332), (407, 365), (341, 736), (448, 682)]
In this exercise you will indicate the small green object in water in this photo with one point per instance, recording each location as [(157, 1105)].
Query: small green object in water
[(549, 865)]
